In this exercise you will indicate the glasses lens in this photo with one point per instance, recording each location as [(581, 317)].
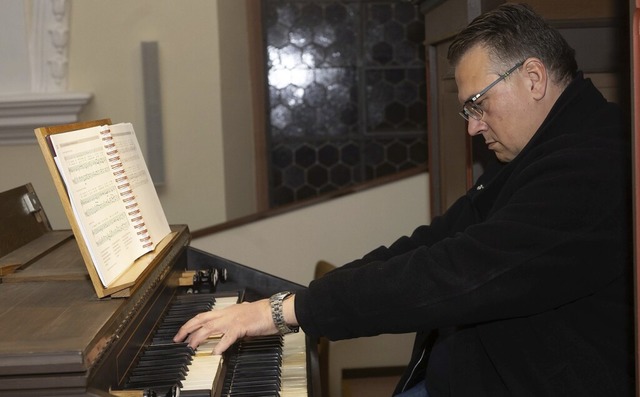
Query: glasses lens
[(471, 110)]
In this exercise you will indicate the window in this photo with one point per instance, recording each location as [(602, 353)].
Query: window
[(346, 86)]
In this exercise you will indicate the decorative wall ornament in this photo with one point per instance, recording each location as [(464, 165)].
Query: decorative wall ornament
[(48, 102), (49, 45)]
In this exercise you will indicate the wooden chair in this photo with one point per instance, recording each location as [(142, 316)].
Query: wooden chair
[(322, 268)]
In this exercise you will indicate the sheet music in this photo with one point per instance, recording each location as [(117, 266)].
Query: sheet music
[(96, 201), (140, 179)]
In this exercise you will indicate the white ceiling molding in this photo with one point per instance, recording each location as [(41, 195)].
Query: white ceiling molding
[(21, 114)]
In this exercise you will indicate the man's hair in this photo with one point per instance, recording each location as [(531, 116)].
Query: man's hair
[(512, 33)]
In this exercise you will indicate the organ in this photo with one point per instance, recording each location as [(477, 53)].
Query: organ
[(57, 338)]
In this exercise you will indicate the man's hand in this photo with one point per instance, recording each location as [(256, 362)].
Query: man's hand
[(233, 323)]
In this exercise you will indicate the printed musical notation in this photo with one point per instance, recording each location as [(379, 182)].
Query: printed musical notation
[(111, 194)]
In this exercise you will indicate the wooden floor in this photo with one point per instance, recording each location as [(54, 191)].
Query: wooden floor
[(378, 386)]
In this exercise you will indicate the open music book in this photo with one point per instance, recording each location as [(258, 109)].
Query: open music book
[(111, 194)]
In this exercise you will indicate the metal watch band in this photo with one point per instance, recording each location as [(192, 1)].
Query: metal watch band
[(275, 301)]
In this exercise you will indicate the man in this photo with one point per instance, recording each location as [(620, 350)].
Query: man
[(523, 287)]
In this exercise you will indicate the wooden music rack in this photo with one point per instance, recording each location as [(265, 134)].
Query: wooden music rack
[(126, 284)]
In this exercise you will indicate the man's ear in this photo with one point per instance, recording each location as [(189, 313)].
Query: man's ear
[(536, 77)]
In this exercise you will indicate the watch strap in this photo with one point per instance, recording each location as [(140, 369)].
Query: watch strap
[(277, 314)]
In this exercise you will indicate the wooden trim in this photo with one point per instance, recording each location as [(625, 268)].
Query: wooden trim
[(433, 139), (635, 96), (258, 99), (260, 215), (585, 23)]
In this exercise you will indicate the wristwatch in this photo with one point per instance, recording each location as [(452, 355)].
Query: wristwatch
[(277, 315)]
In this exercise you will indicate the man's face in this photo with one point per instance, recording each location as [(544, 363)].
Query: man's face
[(506, 124)]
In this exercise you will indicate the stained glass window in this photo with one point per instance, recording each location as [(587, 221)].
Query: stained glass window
[(347, 94)]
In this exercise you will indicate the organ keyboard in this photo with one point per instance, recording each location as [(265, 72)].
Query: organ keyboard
[(58, 339)]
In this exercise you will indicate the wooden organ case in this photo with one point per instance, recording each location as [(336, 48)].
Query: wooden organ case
[(57, 338)]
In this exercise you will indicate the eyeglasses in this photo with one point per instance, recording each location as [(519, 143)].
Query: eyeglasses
[(470, 109)]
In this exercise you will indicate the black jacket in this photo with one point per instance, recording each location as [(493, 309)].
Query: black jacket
[(524, 286)]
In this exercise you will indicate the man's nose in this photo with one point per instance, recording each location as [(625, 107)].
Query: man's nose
[(475, 127)]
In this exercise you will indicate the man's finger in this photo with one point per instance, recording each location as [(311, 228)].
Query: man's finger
[(225, 342), (194, 324)]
